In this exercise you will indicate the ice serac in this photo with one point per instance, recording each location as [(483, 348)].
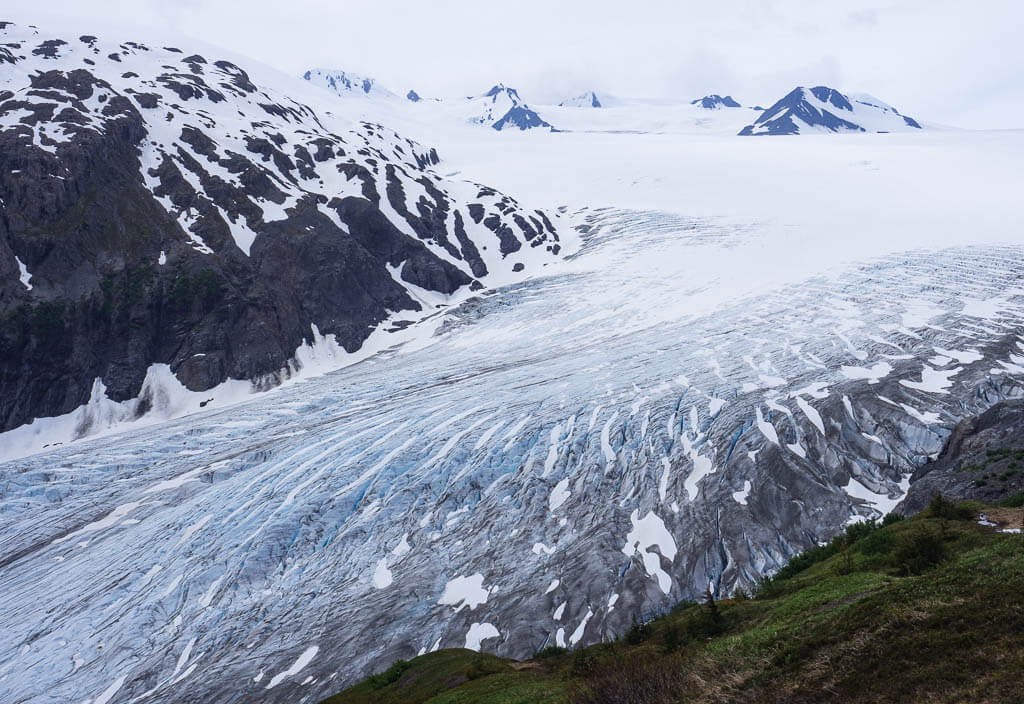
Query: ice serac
[(716, 102), (165, 207), (824, 109)]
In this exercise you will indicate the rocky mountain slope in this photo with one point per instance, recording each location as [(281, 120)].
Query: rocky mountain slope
[(981, 460), (824, 109), (160, 207)]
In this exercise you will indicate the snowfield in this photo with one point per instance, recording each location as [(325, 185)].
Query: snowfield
[(669, 406)]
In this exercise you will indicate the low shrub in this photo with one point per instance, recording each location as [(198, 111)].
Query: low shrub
[(638, 632), (1015, 501), (552, 651), (940, 507), (392, 674), (633, 679), (918, 551)]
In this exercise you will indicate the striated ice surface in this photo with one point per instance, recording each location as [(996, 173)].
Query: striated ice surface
[(650, 422)]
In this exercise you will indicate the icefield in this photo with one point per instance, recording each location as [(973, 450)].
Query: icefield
[(549, 460)]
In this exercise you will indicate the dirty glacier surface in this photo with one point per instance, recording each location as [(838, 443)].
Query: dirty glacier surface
[(547, 462)]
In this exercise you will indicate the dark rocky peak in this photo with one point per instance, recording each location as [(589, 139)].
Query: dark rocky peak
[(832, 97), (826, 109), (237, 78), (520, 117), (715, 101)]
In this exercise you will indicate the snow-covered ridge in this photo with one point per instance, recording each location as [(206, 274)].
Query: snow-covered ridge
[(824, 109), (584, 100), (244, 179), (344, 83), (500, 107)]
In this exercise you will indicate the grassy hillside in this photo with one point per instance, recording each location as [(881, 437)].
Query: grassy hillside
[(925, 609)]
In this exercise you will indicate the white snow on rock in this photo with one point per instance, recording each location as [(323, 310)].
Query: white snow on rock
[(381, 574), (702, 467), (648, 532), (464, 591), (559, 610), (296, 667), (403, 546), (882, 502), (559, 495), (110, 691), (577, 635), (934, 381), (811, 413), (766, 428), (23, 274), (740, 496), (961, 356), (479, 632), (872, 374)]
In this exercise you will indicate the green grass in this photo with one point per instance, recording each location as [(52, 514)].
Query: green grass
[(866, 619)]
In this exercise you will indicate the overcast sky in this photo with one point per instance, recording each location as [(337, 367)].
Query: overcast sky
[(945, 61)]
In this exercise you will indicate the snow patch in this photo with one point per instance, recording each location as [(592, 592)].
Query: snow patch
[(479, 632), (464, 591)]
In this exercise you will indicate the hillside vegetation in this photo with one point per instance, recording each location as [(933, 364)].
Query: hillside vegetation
[(929, 608)]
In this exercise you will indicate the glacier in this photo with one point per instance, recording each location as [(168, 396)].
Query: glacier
[(650, 423)]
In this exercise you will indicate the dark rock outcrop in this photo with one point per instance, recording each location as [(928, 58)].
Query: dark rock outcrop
[(983, 460), (715, 101)]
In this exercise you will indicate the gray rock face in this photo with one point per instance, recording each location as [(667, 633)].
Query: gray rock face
[(981, 460), (564, 455), (161, 208)]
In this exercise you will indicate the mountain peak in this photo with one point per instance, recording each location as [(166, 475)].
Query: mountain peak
[(825, 109), (716, 102), (584, 100), (346, 83), (502, 108)]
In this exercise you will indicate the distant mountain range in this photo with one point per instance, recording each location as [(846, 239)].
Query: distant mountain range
[(803, 110)]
